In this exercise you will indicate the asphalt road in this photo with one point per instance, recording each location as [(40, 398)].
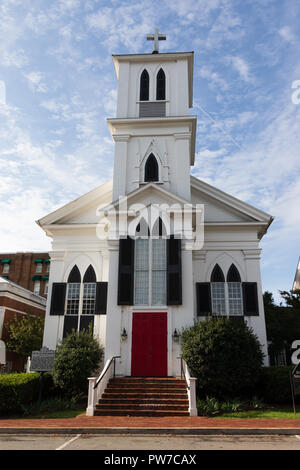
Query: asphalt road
[(146, 442)]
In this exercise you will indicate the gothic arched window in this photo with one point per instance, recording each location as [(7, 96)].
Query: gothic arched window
[(235, 296), (151, 169), (218, 291), (74, 275), (81, 300), (73, 293), (89, 275), (217, 274), (161, 85), (144, 86), (89, 291)]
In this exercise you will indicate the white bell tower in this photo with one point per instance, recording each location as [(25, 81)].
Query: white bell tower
[(155, 93)]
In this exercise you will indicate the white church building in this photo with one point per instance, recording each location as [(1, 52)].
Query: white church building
[(139, 291)]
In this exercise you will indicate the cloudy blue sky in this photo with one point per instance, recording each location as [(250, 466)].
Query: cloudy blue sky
[(58, 86)]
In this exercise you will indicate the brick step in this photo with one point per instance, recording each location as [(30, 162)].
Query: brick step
[(158, 380), (142, 406), (143, 395), (144, 388), (142, 400), (140, 413)]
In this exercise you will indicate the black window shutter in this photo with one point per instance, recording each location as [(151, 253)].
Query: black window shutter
[(70, 323), (174, 280), (58, 298), (85, 322), (250, 298), (203, 296), (126, 271), (101, 298)]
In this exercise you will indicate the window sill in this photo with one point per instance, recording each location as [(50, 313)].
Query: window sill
[(153, 101)]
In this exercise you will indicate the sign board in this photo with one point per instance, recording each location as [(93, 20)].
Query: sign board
[(296, 379), (295, 383), (42, 360)]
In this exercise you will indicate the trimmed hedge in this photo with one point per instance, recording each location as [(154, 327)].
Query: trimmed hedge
[(20, 389), (274, 385), (17, 390)]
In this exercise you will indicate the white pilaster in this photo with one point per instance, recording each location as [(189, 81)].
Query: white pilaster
[(120, 166)]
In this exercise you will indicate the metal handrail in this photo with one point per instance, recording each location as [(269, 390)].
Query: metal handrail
[(113, 359), (182, 373)]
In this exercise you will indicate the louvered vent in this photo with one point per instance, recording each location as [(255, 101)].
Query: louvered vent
[(150, 109)]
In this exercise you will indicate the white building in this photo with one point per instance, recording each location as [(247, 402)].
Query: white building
[(145, 289), (296, 283)]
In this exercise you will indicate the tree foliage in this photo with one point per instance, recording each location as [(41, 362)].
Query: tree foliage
[(76, 358), (225, 357), (282, 321), (25, 334)]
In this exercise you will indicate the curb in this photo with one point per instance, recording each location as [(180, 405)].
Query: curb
[(151, 431)]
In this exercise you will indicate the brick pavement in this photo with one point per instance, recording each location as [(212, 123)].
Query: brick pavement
[(83, 421)]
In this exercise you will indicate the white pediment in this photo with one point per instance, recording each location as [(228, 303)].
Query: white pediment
[(151, 193), (82, 210), (220, 207)]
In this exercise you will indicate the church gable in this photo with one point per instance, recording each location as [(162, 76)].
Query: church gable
[(150, 194), (82, 210), (221, 207), (215, 211)]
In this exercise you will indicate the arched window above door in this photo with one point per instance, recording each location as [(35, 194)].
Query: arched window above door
[(151, 169)]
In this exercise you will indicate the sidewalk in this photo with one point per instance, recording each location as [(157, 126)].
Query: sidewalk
[(83, 424)]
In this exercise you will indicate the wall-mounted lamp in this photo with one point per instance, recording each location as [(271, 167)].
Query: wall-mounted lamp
[(175, 335), (124, 335)]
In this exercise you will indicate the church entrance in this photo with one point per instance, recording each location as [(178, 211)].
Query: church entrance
[(149, 345)]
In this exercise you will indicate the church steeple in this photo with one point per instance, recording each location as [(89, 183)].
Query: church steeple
[(155, 94)]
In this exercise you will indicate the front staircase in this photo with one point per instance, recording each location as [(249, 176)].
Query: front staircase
[(144, 396)]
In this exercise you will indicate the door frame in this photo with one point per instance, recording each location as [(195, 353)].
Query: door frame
[(169, 336)]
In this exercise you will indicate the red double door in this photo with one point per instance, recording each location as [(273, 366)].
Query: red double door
[(149, 345)]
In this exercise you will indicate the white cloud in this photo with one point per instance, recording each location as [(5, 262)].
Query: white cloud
[(287, 34), (36, 81), (215, 79), (241, 66)]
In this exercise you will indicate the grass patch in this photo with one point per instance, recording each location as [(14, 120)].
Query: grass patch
[(55, 414), (262, 414), (49, 409)]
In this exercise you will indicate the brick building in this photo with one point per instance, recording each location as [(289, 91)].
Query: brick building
[(29, 270), (16, 301)]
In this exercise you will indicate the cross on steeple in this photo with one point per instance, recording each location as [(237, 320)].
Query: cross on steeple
[(156, 37)]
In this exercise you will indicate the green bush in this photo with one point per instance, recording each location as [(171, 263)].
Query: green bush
[(225, 357), (211, 406), (76, 358), (17, 390), (275, 386)]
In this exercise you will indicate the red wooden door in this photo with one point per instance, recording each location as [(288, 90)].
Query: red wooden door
[(149, 345)]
